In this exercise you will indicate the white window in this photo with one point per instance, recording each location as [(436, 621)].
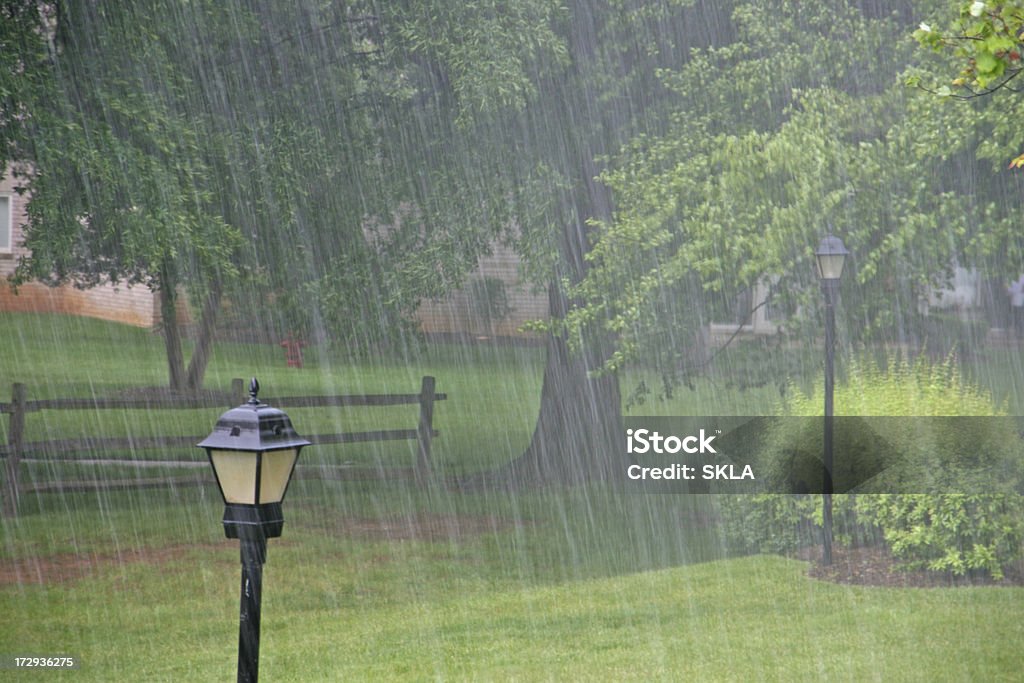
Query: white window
[(6, 224)]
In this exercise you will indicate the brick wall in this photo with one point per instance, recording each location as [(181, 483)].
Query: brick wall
[(132, 306), (129, 305)]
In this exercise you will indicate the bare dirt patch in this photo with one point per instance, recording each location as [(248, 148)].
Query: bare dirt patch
[(875, 566), (421, 526), (67, 567)]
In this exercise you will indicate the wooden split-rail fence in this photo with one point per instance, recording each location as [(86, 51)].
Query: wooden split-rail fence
[(17, 451)]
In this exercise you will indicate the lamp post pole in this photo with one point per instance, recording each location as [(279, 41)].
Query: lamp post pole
[(254, 554), (831, 256), (829, 288)]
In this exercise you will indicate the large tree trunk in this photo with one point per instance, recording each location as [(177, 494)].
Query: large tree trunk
[(578, 435)]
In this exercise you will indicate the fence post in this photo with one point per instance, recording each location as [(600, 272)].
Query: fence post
[(425, 431), (15, 438), (237, 393)]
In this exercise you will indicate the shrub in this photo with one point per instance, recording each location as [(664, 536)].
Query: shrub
[(953, 532), (889, 444), (960, 533), (769, 523), (777, 523)]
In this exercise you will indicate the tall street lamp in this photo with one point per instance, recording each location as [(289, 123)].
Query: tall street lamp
[(252, 449), (831, 257)]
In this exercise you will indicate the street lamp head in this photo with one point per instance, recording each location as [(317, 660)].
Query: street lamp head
[(831, 257), (253, 449)]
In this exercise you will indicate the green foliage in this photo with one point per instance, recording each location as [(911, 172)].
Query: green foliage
[(954, 532), (119, 175), (782, 524), (770, 523), (359, 314), (986, 39), (899, 387), (777, 141), (489, 50), (903, 450), (327, 166), (981, 42)]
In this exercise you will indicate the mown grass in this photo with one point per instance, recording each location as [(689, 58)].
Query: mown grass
[(580, 584), (589, 585)]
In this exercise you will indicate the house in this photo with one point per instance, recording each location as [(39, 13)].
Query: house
[(496, 302), (131, 305)]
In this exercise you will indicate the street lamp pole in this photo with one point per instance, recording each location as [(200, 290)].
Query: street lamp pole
[(252, 449), (254, 554), (829, 288), (831, 257)]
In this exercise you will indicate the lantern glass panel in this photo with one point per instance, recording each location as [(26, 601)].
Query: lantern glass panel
[(830, 266), (275, 472), (236, 472)]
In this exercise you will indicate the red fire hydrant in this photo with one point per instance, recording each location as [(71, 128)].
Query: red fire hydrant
[(293, 351)]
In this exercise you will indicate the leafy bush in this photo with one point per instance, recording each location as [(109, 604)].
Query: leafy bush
[(777, 523), (959, 533), (894, 441)]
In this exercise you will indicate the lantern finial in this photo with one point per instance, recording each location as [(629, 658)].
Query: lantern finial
[(254, 388)]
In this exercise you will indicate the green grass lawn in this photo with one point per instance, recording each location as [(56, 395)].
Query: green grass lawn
[(382, 581), (585, 585)]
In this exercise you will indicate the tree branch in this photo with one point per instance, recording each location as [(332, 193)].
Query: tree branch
[(1004, 84)]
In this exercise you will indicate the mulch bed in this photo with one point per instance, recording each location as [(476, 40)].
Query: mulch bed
[(875, 566)]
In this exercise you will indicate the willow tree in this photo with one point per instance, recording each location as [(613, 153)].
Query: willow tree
[(309, 152), (351, 159), (94, 117)]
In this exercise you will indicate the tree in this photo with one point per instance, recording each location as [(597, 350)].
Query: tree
[(226, 145), (118, 175), (984, 43), (346, 150), (605, 92), (798, 128)]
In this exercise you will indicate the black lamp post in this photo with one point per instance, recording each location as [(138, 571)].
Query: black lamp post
[(831, 257), (252, 449)]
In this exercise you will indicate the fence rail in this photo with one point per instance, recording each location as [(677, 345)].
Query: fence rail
[(17, 450)]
